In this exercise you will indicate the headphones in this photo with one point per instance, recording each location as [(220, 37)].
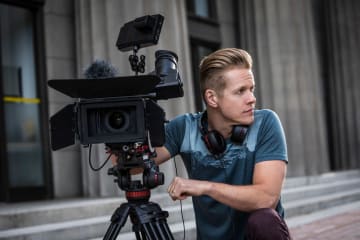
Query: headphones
[(215, 142)]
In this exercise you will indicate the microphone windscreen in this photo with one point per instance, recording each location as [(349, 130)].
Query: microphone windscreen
[(100, 69)]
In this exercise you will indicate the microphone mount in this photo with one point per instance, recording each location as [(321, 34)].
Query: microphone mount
[(137, 65)]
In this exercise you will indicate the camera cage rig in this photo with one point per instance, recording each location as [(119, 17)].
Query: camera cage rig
[(135, 98)]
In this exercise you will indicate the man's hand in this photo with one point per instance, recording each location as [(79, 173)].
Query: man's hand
[(181, 188), (113, 156)]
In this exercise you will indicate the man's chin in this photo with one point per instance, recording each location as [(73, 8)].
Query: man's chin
[(247, 121)]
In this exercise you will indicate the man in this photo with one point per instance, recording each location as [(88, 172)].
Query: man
[(235, 155), (235, 182)]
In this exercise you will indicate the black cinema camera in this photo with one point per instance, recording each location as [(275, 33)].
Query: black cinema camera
[(121, 112), (120, 109)]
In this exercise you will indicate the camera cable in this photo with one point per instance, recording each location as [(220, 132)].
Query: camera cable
[(101, 166), (181, 205)]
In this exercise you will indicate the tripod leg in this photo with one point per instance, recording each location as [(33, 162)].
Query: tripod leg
[(156, 231), (118, 220), (137, 235), (153, 221), (138, 230), (164, 230), (149, 231)]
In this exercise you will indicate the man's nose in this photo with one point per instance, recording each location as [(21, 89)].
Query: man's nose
[(251, 98)]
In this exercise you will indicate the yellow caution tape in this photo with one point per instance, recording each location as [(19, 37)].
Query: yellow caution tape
[(22, 100)]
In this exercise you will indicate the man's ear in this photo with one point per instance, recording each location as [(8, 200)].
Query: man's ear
[(211, 98)]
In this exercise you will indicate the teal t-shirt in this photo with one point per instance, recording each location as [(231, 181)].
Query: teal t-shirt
[(265, 140)]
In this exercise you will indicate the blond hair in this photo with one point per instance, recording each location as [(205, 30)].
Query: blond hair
[(212, 66)]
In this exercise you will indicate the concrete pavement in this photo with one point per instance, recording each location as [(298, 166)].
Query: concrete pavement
[(342, 223)]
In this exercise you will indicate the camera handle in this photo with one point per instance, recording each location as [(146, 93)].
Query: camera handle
[(136, 65), (132, 156)]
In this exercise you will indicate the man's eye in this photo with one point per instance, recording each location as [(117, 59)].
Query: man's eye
[(241, 91)]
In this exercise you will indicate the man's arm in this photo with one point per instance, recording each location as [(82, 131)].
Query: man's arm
[(263, 193), (162, 155)]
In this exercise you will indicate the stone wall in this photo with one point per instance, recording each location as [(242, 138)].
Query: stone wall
[(305, 64)]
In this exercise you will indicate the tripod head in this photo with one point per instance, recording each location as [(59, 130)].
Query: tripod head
[(132, 156)]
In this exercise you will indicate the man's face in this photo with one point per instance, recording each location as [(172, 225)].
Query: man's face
[(237, 101)]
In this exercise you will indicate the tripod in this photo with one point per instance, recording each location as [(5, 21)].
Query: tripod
[(149, 221)]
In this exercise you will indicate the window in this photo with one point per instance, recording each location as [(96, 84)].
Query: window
[(198, 51), (204, 32), (201, 8)]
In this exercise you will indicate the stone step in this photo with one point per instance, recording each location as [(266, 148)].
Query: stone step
[(312, 204), (299, 220), (44, 212), (322, 178), (320, 189), (94, 227), (90, 218)]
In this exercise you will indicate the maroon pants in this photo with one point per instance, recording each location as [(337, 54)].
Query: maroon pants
[(266, 224)]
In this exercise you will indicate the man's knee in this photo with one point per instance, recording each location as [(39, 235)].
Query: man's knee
[(266, 224), (262, 217)]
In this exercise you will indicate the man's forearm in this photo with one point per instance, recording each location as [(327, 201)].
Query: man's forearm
[(243, 198)]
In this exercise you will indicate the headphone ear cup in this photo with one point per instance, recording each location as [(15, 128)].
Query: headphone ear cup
[(238, 134), (215, 142)]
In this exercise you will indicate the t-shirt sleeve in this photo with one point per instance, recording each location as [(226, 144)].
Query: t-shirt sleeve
[(272, 141), (174, 134)]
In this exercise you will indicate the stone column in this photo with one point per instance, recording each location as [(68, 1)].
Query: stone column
[(342, 20), (280, 35)]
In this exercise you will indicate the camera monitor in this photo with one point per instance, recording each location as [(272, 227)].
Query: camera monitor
[(142, 32)]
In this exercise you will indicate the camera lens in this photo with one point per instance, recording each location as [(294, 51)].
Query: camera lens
[(117, 121)]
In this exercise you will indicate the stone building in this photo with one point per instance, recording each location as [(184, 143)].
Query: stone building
[(306, 64)]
